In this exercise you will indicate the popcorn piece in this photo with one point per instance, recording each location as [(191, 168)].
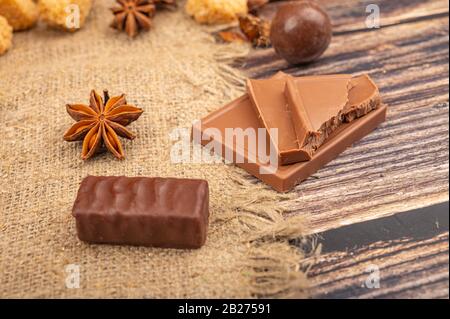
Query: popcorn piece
[(216, 11), (21, 14), (68, 15), (6, 34)]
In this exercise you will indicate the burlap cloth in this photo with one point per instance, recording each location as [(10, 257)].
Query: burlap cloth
[(176, 73)]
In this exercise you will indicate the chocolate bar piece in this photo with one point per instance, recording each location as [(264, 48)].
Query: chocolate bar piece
[(306, 110), (269, 101), (320, 104), (241, 114), (316, 103), (363, 97), (158, 212)]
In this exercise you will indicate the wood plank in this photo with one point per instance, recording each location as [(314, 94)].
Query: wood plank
[(418, 224), (408, 268), (350, 15), (409, 251), (404, 164)]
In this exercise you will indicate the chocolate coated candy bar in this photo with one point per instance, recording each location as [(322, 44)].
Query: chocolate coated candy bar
[(158, 212)]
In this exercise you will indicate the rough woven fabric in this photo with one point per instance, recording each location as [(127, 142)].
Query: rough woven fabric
[(176, 73)]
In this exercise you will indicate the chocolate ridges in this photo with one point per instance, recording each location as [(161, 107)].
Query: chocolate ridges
[(158, 212)]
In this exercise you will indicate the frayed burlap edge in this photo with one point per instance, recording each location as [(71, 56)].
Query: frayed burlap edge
[(274, 267)]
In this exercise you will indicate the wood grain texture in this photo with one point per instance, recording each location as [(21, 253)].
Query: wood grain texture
[(403, 164), (407, 269), (409, 251)]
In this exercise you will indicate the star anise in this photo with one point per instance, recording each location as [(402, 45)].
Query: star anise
[(132, 16), (101, 123)]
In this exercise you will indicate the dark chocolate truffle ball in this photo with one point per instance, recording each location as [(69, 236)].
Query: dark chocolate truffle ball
[(300, 32)]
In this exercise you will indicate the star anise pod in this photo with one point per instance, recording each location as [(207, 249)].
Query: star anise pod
[(132, 16), (257, 30), (101, 123)]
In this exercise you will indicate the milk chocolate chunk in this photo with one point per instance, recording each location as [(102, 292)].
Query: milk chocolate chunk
[(241, 114), (306, 110), (320, 104), (158, 212), (336, 110), (268, 99)]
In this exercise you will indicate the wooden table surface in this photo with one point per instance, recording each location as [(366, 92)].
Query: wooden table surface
[(401, 166)]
